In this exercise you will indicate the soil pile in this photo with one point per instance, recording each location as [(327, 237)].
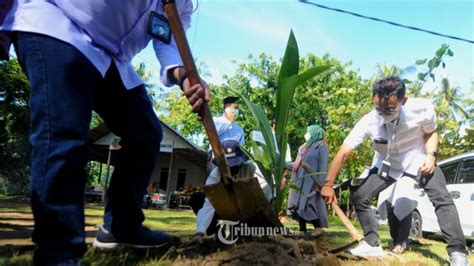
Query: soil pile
[(257, 251)]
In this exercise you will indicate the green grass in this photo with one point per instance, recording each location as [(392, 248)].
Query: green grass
[(182, 224)]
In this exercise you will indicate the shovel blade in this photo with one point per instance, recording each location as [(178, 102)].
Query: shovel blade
[(222, 201), (241, 203)]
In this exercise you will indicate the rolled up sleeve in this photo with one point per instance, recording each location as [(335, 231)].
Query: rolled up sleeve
[(358, 134), (428, 122)]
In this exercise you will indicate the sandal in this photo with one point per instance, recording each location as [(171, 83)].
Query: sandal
[(399, 248), (317, 232)]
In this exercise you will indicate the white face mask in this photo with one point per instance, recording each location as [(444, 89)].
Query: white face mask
[(307, 136), (391, 117)]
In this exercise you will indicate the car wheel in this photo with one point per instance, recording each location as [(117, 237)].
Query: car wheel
[(416, 229)]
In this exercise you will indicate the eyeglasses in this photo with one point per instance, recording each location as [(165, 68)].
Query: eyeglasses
[(385, 109)]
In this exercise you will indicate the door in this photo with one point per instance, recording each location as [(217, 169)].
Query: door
[(463, 195), (181, 179), (425, 207), (163, 179)]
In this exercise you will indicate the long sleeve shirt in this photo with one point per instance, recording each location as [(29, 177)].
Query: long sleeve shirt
[(104, 31)]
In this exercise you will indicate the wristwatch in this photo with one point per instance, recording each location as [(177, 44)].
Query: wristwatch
[(434, 154)]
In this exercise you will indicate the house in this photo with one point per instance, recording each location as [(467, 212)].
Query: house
[(181, 163)]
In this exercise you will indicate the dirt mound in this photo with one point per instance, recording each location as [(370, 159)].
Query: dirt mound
[(257, 251)]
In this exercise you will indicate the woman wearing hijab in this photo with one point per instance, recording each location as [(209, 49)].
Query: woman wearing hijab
[(307, 205)]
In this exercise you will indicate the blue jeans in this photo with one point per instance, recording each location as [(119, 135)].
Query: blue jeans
[(64, 89), (438, 194)]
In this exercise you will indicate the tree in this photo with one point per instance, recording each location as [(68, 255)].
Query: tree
[(14, 129), (451, 117), (448, 105), (415, 87), (385, 71), (451, 97)]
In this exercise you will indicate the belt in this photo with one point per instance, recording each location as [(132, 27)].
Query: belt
[(410, 175)]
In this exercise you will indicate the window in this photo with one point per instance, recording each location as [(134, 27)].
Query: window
[(163, 178), (466, 174), (181, 179), (449, 171)]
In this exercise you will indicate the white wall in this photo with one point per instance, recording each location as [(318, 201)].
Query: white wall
[(195, 175)]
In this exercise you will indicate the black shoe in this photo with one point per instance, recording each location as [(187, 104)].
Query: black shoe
[(143, 238)]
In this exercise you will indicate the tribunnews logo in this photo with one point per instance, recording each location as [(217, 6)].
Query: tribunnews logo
[(230, 231)]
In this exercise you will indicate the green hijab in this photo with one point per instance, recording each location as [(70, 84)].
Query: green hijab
[(316, 133)]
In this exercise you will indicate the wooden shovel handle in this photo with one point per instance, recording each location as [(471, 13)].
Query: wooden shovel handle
[(193, 76), (347, 223), (349, 226)]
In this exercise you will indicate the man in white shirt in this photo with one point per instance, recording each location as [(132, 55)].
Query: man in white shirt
[(404, 134), (77, 56)]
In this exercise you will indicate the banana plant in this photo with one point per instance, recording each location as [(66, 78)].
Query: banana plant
[(270, 156)]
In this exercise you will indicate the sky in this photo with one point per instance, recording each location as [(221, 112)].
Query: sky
[(224, 31)]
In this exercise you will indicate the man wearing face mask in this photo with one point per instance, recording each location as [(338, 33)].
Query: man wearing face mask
[(404, 134), (226, 127)]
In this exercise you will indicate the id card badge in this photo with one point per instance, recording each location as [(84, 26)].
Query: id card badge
[(159, 28), (384, 170)]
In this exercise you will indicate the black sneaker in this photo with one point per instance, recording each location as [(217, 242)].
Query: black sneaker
[(104, 239), (143, 238)]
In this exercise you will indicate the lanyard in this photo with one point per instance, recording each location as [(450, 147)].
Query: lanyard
[(395, 126)]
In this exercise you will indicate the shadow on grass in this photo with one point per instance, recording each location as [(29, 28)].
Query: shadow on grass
[(15, 219), (15, 250), (123, 256), (28, 212), (172, 219), (23, 255), (426, 252), (22, 232), (15, 231)]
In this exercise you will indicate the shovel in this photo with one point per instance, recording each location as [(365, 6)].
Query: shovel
[(237, 200), (356, 236)]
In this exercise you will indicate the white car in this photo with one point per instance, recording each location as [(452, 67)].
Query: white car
[(459, 174)]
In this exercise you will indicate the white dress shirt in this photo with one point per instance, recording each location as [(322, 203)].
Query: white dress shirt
[(249, 169), (102, 31), (406, 148)]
